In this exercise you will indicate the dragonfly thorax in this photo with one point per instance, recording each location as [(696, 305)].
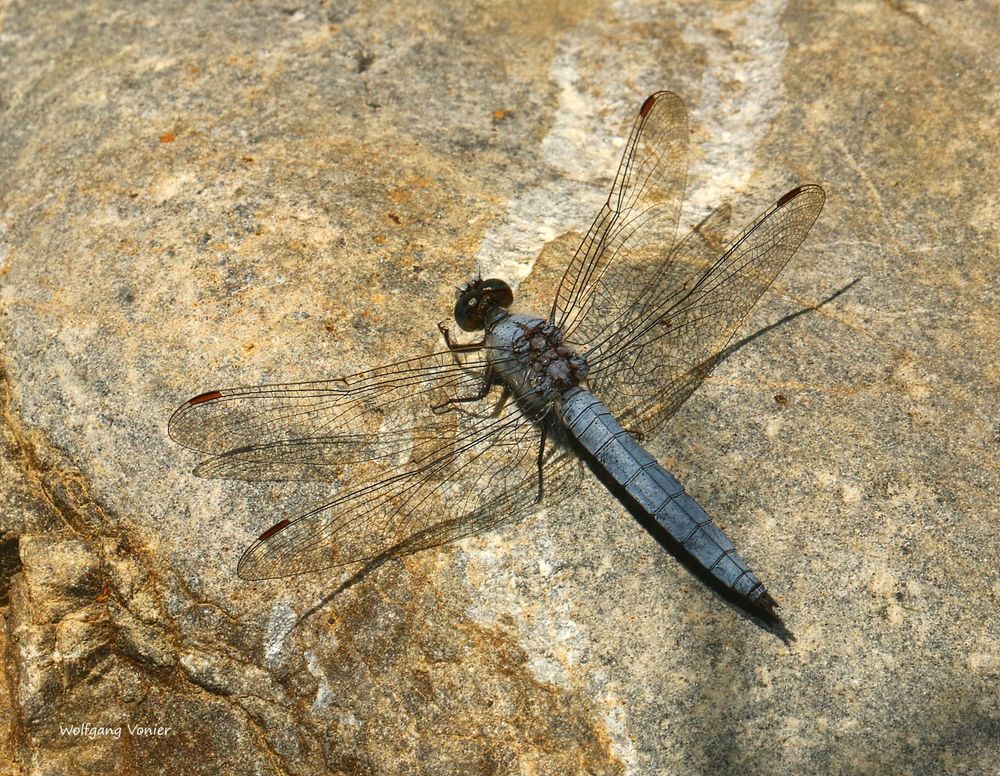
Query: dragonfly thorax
[(532, 358)]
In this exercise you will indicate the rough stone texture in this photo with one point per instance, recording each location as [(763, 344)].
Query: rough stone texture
[(200, 194)]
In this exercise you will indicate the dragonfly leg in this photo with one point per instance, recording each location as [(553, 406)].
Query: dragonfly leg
[(484, 390), (501, 402), (458, 346)]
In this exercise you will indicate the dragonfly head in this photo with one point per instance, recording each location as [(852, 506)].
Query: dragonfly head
[(476, 297)]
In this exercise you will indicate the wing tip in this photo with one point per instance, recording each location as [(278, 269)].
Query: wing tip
[(252, 566), (806, 188), (655, 97), (273, 530), (248, 572), (179, 432), (201, 398), (248, 568), (789, 196)]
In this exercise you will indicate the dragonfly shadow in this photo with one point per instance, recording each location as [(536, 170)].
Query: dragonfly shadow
[(434, 536), (369, 567), (733, 347)]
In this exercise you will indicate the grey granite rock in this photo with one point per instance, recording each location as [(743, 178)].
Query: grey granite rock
[(203, 194)]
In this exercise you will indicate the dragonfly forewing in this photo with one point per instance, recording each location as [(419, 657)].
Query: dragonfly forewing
[(425, 460), (658, 353), (645, 202)]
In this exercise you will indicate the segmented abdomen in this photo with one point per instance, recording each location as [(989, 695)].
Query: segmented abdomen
[(657, 492)]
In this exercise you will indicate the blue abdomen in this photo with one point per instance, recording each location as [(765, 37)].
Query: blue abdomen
[(657, 493)]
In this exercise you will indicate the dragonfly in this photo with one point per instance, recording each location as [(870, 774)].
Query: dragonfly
[(439, 446)]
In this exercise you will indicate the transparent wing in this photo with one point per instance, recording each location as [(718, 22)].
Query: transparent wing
[(644, 205), (423, 468), (314, 430), (487, 477), (649, 360)]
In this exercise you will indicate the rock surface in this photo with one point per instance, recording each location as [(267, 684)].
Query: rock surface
[(195, 195)]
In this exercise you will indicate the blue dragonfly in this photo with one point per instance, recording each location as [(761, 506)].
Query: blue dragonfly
[(432, 448)]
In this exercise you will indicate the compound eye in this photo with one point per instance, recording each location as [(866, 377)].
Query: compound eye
[(500, 293), (469, 311), (476, 298)]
